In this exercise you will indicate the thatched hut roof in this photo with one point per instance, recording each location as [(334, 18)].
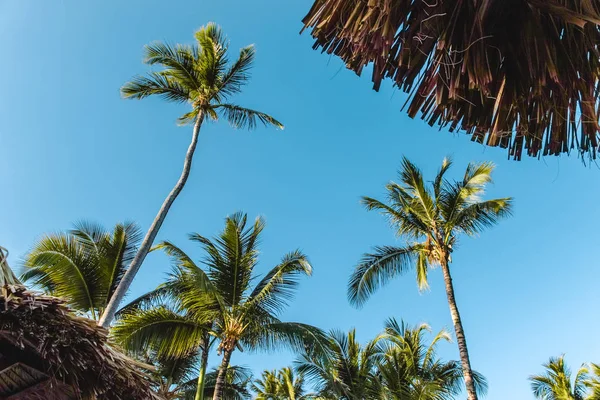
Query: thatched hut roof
[(47, 352), (519, 74)]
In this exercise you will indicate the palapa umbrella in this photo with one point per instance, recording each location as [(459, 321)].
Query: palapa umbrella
[(47, 352), (519, 74)]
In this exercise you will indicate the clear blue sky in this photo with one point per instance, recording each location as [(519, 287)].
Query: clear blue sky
[(71, 148)]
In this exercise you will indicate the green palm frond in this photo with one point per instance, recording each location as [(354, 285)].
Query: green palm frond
[(212, 61), (422, 202), (476, 217), (165, 293), (278, 335), (238, 74), (83, 265), (274, 291), (439, 178), (63, 268), (377, 269), (166, 332), (179, 63), (156, 84), (245, 118)]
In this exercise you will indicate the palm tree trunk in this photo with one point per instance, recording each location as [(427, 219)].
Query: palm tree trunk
[(222, 374), (117, 297), (203, 364), (460, 334)]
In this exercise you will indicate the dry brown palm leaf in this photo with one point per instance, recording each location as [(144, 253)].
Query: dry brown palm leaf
[(519, 74)]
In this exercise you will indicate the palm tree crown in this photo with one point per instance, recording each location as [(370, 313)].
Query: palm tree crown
[(279, 385), (431, 219), (84, 265), (410, 370), (557, 383), (219, 298), (347, 370), (202, 76)]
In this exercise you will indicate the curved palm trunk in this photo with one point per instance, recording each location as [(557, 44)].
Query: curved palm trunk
[(117, 297), (222, 374), (202, 373), (460, 334)]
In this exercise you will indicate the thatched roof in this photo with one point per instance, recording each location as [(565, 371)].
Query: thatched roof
[(47, 352), (520, 74)]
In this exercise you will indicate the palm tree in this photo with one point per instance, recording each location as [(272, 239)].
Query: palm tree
[(157, 323), (431, 220), (558, 384), (279, 385), (201, 76), (345, 371), (410, 370), (176, 378), (220, 297), (84, 265)]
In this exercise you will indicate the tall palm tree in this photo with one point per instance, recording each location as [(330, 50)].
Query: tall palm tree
[(84, 265), (410, 369), (220, 295), (430, 219), (558, 384), (345, 371), (201, 76), (279, 385)]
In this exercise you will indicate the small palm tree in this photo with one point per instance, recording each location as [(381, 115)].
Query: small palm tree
[(201, 76), (279, 385), (410, 370), (176, 379), (345, 371), (156, 322), (431, 219), (84, 265), (558, 384)]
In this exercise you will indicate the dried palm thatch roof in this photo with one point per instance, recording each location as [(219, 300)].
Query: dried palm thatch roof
[(519, 74), (47, 352)]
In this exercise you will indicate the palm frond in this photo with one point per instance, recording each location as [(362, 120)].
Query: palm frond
[(439, 178), (377, 269), (238, 74), (245, 118), (476, 217), (412, 178), (212, 60), (277, 335), (156, 84), (178, 61), (166, 332), (274, 291), (63, 268)]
